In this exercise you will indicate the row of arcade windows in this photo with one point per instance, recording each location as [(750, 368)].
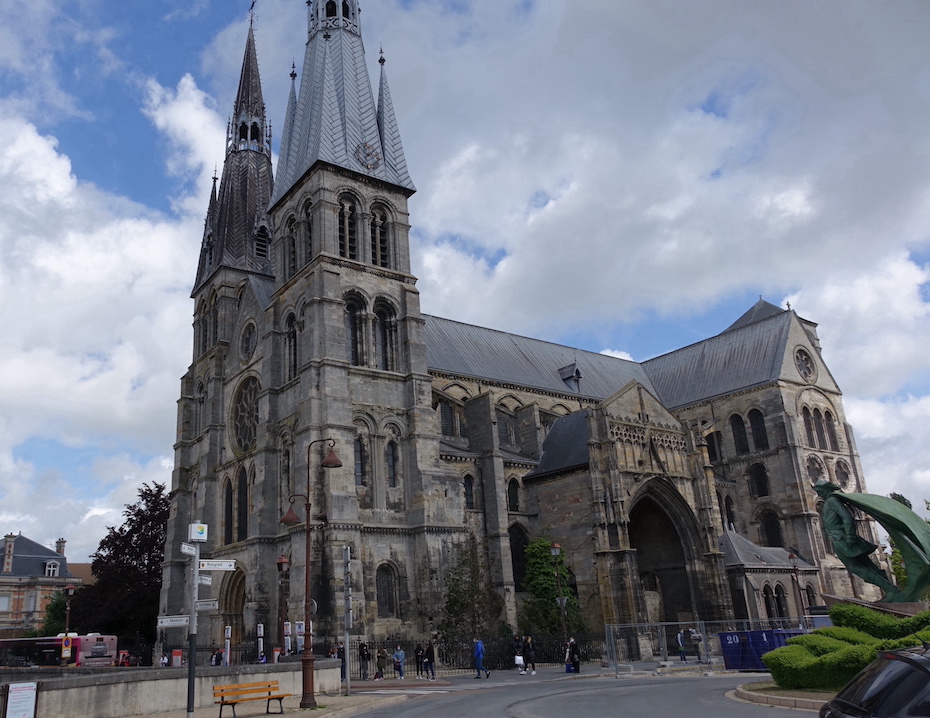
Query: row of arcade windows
[(331, 9), (820, 430), (776, 601), (236, 508), (760, 439), (379, 233), (370, 340)]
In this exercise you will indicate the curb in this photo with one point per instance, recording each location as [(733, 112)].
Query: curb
[(364, 706), (804, 704)]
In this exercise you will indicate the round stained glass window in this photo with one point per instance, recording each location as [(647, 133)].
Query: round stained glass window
[(245, 414), (247, 342)]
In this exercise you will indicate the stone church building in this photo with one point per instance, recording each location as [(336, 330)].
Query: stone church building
[(679, 488)]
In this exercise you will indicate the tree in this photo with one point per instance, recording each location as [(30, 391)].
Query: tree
[(123, 600), (472, 608), (540, 613), (55, 611)]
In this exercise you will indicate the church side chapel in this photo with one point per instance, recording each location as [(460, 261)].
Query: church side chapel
[(679, 488)]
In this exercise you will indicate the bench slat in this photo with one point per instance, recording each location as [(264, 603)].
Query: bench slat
[(233, 693)]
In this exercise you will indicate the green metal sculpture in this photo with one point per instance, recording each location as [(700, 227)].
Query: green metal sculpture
[(910, 533)]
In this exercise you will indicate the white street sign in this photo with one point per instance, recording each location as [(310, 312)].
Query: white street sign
[(204, 580), (217, 565), (188, 549), (208, 604), (173, 621)]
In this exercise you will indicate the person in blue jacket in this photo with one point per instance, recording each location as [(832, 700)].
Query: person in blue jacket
[(479, 659)]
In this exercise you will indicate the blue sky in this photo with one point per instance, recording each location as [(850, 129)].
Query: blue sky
[(629, 179)]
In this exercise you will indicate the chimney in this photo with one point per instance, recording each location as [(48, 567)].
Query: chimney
[(8, 541), (60, 546)]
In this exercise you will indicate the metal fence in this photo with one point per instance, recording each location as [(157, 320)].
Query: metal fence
[(634, 642)]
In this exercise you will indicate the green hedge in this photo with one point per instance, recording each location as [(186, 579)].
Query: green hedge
[(829, 657)]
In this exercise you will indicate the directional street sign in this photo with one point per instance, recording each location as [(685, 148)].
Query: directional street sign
[(217, 565), (188, 549), (204, 580), (208, 605), (173, 621)]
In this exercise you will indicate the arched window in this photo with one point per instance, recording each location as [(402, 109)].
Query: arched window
[(513, 495), (447, 418), (200, 400), (781, 601), (760, 437), (814, 469), (386, 589), (345, 8), (505, 429), (242, 506), (290, 240), (740, 440), (290, 345), (331, 8), (819, 430), (519, 540), (348, 228), (380, 241), (768, 596), (730, 513), (469, 485), (811, 595), (262, 243), (831, 431), (391, 460), (384, 331), (228, 515), (770, 529), (842, 474), (361, 470), (52, 569), (355, 347), (808, 427), (758, 481), (715, 446), (245, 414)]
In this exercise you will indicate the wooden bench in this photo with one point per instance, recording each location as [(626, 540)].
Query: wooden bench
[(235, 693)]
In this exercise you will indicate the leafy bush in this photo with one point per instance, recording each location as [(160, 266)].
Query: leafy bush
[(795, 666), (847, 635), (790, 665), (817, 643), (876, 623)]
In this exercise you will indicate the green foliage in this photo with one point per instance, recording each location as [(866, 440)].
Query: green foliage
[(540, 612), (847, 635), (55, 611), (817, 643), (472, 608), (795, 666), (123, 600), (876, 623), (790, 665)]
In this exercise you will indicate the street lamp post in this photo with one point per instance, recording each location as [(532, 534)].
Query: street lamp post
[(69, 592), (284, 564), (331, 461), (793, 557), (556, 550)]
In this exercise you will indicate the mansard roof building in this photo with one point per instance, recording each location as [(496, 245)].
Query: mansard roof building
[(657, 478)]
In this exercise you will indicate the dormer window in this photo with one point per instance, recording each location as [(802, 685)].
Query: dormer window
[(51, 569)]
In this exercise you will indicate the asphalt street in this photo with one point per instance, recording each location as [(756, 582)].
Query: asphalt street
[(513, 696)]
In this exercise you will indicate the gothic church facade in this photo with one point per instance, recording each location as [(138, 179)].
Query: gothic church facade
[(679, 487)]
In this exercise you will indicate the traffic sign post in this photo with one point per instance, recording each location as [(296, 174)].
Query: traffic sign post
[(197, 534), (347, 595)]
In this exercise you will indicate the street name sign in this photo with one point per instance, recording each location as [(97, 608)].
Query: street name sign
[(217, 565), (208, 604), (188, 549), (173, 621), (204, 580)]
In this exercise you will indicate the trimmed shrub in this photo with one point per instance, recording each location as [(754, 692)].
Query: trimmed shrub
[(847, 635), (817, 643), (876, 623), (835, 670), (790, 665)]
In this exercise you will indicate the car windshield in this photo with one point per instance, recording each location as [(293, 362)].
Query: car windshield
[(886, 687)]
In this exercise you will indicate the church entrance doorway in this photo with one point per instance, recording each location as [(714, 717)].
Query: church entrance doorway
[(232, 604), (663, 568)]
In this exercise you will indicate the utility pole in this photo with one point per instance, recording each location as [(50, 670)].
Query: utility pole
[(347, 595)]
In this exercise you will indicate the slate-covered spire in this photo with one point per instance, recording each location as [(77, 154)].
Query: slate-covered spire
[(336, 119), (238, 232)]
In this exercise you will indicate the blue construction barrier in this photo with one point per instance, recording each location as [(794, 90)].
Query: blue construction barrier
[(743, 650)]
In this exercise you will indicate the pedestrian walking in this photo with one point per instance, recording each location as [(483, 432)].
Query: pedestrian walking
[(364, 656), (429, 660), (516, 646), (341, 655), (682, 652), (381, 663), (573, 655), (418, 659), (479, 659), (529, 655), (697, 638), (398, 657)]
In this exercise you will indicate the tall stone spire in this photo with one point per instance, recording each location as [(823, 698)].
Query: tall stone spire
[(336, 119), (238, 230)]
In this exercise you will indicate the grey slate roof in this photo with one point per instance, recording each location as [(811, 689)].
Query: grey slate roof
[(29, 559), (566, 445), (759, 311), (334, 118), (742, 357), (740, 551), (480, 353)]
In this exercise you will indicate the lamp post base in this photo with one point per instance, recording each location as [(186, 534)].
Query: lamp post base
[(308, 699)]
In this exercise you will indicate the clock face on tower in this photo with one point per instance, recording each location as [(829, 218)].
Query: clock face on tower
[(805, 364), (367, 156)]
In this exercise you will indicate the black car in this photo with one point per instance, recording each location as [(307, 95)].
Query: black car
[(895, 685)]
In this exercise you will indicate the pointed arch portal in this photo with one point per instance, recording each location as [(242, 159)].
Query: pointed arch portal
[(661, 559), (232, 604)]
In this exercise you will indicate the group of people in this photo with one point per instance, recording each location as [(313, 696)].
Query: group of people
[(524, 655), (683, 639), (424, 659)]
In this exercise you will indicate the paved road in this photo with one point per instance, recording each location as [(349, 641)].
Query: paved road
[(647, 697)]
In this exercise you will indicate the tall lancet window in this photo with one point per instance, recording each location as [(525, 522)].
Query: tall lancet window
[(331, 8), (380, 244), (290, 339), (262, 243), (384, 337), (348, 230), (355, 348)]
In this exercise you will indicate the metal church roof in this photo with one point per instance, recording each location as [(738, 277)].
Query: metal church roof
[(480, 353)]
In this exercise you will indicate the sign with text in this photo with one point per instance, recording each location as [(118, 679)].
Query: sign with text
[(21, 700), (208, 605), (217, 565), (205, 580), (188, 549), (173, 621)]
